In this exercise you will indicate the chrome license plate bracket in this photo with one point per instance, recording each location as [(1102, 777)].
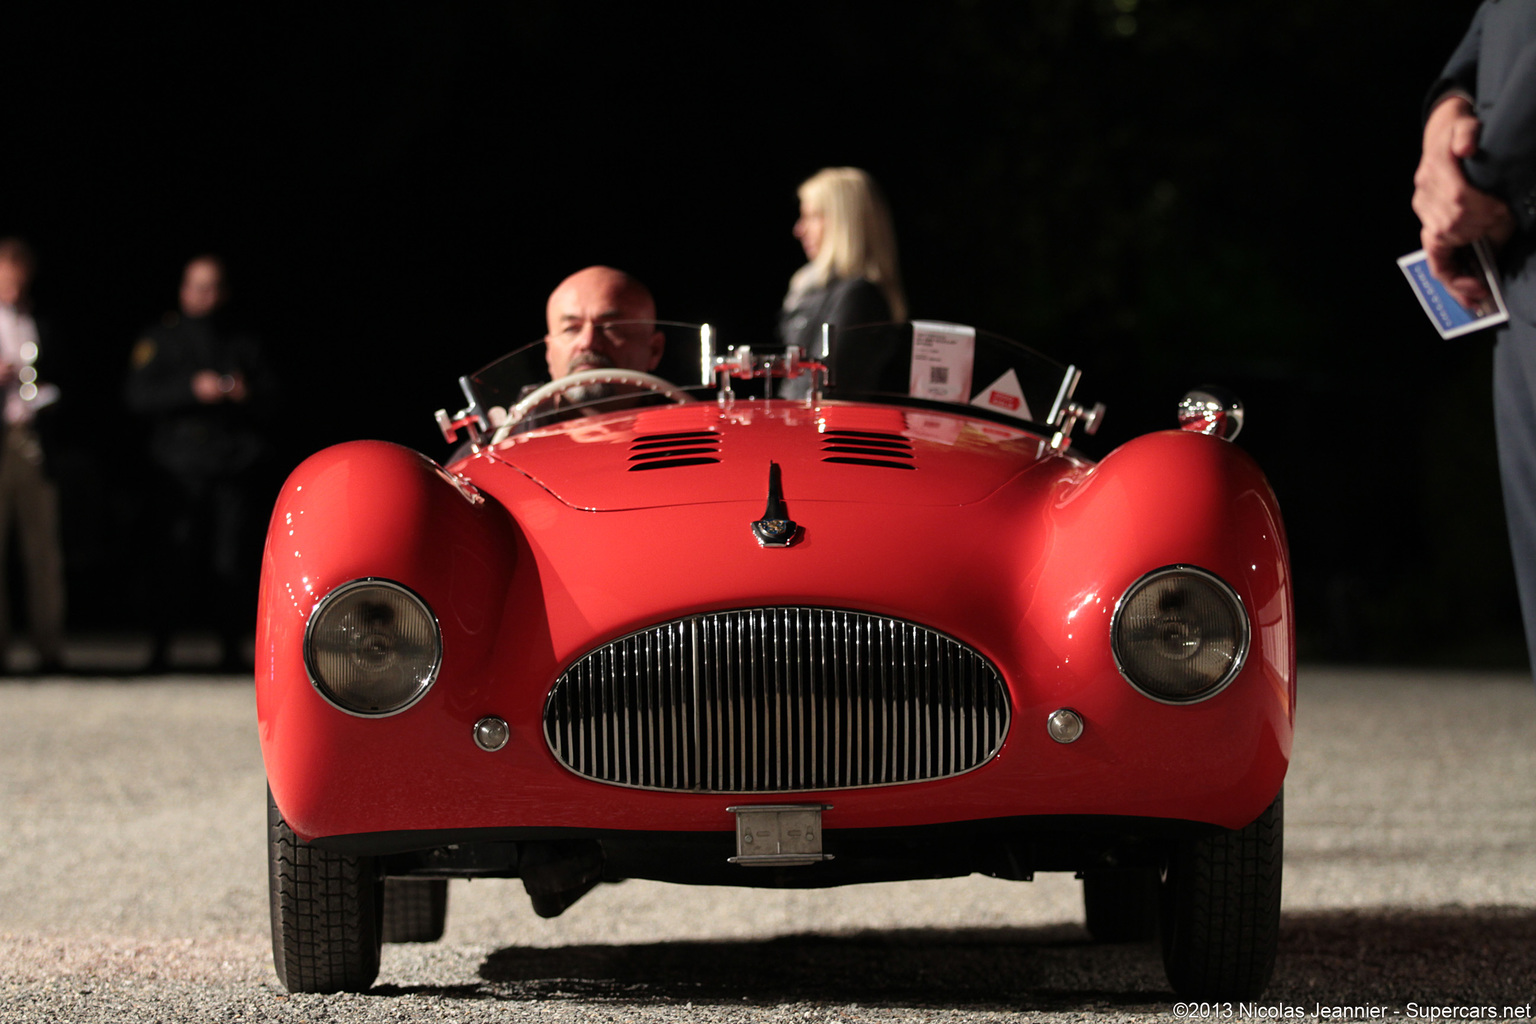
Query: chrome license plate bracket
[(778, 835)]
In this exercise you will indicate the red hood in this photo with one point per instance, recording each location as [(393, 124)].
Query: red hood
[(694, 454)]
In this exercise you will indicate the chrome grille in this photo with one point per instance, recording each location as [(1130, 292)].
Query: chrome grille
[(773, 700)]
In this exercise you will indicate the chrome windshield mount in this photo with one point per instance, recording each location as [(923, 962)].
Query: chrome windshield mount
[(1070, 416), (469, 419), (740, 362), (1066, 414)]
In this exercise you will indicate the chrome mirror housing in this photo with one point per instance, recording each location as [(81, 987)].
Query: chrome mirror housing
[(1211, 410)]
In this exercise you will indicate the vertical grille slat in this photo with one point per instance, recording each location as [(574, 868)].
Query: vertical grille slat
[(776, 700)]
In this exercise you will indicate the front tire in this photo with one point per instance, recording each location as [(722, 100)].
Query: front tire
[(1221, 910), (326, 912)]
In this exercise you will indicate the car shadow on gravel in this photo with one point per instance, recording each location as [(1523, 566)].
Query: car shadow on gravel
[(1387, 958)]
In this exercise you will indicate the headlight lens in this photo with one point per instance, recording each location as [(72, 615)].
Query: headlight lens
[(372, 647), (1179, 634)]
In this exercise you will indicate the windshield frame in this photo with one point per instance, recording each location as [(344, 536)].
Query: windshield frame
[(840, 368)]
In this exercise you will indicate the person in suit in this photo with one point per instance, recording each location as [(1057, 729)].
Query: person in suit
[(1476, 182), (203, 387), (851, 275), (28, 494)]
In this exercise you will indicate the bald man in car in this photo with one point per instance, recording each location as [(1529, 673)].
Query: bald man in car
[(587, 316)]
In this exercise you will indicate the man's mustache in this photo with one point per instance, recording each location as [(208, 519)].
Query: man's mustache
[(590, 361)]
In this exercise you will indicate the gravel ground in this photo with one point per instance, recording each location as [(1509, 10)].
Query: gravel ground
[(132, 887)]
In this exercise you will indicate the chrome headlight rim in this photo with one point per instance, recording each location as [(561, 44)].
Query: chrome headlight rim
[(1226, 591), (316, 678)]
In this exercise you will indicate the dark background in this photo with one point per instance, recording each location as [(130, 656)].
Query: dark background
[(1166, 192)]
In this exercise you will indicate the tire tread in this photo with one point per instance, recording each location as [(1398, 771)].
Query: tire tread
[(325, 914), (1221, 914)]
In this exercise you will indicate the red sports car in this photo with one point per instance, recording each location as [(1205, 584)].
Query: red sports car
[(692, 631)]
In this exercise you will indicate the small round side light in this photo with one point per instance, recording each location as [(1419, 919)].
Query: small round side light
[(1064, 725), (491, 733)]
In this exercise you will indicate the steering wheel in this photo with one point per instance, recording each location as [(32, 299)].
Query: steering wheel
[(602, 375)]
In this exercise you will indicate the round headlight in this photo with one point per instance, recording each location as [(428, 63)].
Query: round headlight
[(1179, 634), (372, 647)]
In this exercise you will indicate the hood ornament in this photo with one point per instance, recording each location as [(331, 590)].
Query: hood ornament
[(775, 529)]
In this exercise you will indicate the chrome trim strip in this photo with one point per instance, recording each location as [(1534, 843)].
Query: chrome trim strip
[(1063, 395)]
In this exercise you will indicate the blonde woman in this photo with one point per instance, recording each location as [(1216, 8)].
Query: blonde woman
[(851, 275)]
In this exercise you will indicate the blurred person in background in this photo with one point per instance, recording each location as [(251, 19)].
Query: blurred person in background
[(1476, 183), (202, 384), (851, 275), (28, 497)]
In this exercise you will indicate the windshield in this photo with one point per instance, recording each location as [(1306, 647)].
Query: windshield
[(931, 363), (924, 363)]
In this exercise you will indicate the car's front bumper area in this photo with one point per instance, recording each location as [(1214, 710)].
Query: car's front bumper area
[(554, 860)]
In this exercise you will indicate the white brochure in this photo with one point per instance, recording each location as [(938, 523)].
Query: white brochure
[(1444, 310), (942, 358)]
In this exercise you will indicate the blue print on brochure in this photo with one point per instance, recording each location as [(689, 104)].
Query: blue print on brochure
[(1449, 316), (1445, 310)]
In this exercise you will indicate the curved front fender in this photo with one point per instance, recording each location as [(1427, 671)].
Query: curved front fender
[(367, 509)]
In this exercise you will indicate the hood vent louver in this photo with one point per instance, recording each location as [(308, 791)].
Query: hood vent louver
[(672, 451), (867, 448)]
